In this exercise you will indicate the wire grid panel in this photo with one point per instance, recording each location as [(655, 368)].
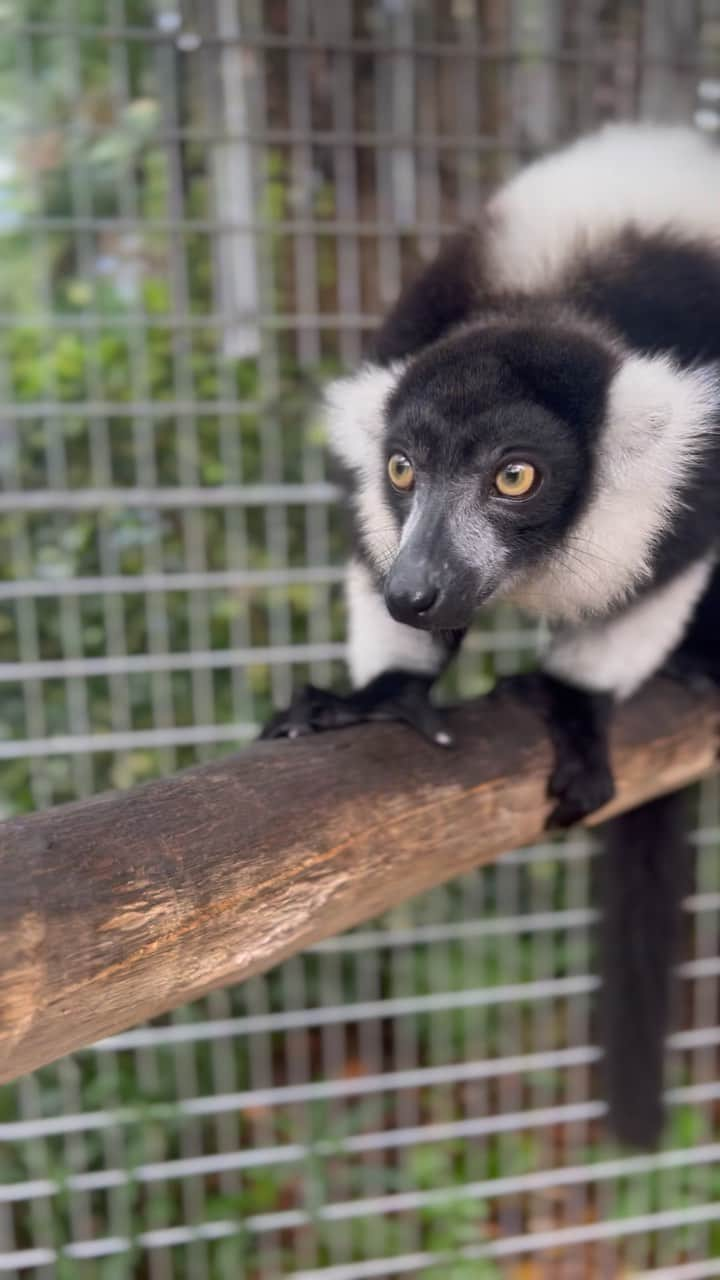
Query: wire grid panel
[(204, 210)]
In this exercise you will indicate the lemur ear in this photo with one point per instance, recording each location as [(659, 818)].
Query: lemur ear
[(656, 408), (444, 294)]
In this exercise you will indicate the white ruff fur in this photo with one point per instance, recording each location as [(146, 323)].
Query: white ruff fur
[(618, 655), (355, 409), (649, 176), (376, 642), (658, 418)]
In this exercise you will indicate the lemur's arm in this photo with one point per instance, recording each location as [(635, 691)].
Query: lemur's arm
[(392, 668), (590, 667)]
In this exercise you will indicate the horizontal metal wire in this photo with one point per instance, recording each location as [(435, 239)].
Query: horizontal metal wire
[(212, 1165), (316, 1091), (683, 1271), (358, 1011), (180, 497), (513, 1246), (707, 967), (30, 410), (199, 659), (517, 1246), (94, 321), (319, 226), (492, 926), (205, 659), (64, 744), (464, 47), (284, 136), (426, 934), (416, 1078), (401, 1006), (396, 1202), (212, 580), (288, 1153)]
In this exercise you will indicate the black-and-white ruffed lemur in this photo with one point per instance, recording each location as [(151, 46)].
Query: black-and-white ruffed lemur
[(540, 424)]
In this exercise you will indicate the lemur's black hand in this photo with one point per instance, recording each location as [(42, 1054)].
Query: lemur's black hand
[(395, 695), (580, 785), (581, 780), (577, 721)]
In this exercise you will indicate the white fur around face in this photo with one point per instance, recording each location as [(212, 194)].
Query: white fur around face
[(376, 642), (657, 420), (617, 656), (355, 411), (651, 176)]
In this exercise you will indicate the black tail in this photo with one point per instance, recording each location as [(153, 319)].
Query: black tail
[(646, 870)]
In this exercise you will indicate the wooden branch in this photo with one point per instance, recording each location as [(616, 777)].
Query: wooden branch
[(118, 908)]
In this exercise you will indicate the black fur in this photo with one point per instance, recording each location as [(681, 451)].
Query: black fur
[(658, 291), (441, 296), (645, 871), (581, 780), (699, 653)]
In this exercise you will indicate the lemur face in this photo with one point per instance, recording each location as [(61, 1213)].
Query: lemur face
[(487, 464)]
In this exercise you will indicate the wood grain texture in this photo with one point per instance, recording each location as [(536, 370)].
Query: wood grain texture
[(116, 909)]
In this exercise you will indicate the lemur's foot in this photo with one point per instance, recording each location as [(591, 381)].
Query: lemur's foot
[(579, 786), (394, 695), (581, 780)]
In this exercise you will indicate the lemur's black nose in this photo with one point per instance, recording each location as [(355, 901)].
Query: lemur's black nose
[(408, 597)]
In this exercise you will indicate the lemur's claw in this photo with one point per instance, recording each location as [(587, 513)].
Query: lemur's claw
[(415, 710), (312, 710)]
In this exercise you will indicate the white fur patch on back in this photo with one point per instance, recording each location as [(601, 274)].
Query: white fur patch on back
[(376, 642), (658, 418), (617, 656), (652, 177), (355, 410)]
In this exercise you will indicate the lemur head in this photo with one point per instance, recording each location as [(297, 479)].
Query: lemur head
[(487, 446), (522, 453)]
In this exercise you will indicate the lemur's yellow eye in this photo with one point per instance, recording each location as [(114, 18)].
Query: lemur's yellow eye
[(516, 479), (401, 472)]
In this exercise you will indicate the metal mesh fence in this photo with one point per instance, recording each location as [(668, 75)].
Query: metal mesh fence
[(203, 209)]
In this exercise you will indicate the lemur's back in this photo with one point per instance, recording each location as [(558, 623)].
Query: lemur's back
[(625, 223)]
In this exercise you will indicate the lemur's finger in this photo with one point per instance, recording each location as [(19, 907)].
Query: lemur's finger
[(419, 713)]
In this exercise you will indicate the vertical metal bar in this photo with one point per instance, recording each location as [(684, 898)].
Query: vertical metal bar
[(304, 176), (669, 40), (175, 110), (238, 299), (428, 178), (172, 77), (395, 184), (466, 71), (40, 1162), (536, 101), (272, 459), (262, 1123)]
